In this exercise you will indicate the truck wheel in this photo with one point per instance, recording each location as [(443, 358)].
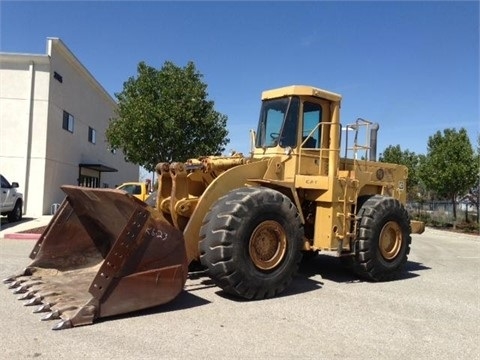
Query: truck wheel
[(251, 242), (383, 241), (16, 213)]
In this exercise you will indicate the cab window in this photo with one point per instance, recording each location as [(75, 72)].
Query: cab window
[(131, 189), (312, 116), (278, 123)]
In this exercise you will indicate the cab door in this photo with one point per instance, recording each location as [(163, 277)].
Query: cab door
[(315, 137)]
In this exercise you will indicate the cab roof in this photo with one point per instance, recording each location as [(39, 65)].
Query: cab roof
[(300, 90)]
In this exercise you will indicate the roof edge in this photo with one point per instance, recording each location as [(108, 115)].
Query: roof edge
[(300, 90), (57, 42)]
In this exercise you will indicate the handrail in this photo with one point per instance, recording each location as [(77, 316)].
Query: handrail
[(321, 149), (359, 123)]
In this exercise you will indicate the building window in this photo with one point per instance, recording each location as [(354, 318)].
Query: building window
[(57, 77), (68, 121), (92, 135)]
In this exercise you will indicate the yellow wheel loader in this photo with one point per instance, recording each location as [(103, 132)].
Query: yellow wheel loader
[(247, 220)]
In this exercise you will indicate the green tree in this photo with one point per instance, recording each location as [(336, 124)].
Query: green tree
[(395, 155), (450, 168), (164, 115), (473, 196)]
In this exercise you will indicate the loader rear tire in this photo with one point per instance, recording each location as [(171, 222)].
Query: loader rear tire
[(251, 242), (383, 241)]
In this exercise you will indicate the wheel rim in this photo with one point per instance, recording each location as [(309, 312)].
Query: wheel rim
[(268, 245), (391, 240)]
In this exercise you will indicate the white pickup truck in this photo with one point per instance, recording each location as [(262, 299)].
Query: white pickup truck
[(11, 200)]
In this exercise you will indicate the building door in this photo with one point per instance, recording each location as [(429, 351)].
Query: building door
[(89, 181), (89, 178)]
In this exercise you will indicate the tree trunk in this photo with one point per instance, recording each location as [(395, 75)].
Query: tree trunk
[(454, 202), (477, 205), (478, 213)]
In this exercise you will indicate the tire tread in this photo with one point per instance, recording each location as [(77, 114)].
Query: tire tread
[(372, 213), (218, 239)]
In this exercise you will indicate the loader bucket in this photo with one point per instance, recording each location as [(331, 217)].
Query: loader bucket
[(103, 253)]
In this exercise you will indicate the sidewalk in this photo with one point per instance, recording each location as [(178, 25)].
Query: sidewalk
[(28, 228)]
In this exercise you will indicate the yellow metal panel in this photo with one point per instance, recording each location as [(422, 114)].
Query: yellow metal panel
[(325, 225), (311, 182), (231, 179), (418, 227), (300, 90)]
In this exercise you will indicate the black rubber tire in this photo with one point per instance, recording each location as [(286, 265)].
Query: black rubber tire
[(241, 219), (348, 261), (381, 256), (16, 214)]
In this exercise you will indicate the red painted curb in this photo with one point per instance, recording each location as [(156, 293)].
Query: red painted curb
[(22, 236)]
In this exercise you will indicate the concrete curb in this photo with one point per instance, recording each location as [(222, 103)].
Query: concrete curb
[(22, 236)]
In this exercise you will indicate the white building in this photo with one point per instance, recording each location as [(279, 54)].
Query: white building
[(53, 117)]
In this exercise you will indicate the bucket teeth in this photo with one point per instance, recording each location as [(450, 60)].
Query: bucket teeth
[(43, 308), (8, 280), (29, 271), (52, 316), (20, 289), (23, 284), (26, 272), (65, 324), (15, 284), (104, 253), (27, 295), (37, 300)]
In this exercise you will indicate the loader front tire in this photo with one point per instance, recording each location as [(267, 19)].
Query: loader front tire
[(383, 240), (251, 242)]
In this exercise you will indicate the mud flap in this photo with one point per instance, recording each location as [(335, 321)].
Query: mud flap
[(103, 253)]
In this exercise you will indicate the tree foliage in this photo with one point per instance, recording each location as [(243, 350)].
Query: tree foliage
[(164, 115), (395, 155), (473, 196), (450, 167)]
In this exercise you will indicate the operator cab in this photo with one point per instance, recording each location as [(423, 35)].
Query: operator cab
[(291, 117)]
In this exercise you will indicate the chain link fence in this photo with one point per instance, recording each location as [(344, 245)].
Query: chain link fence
[(440, 214)]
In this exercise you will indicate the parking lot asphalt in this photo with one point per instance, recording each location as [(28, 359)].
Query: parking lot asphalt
[(431, 312)]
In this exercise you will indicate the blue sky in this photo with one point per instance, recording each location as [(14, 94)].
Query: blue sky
[(413, 67)]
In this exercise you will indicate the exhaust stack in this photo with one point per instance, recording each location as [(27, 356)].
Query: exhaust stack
[(373, 142)]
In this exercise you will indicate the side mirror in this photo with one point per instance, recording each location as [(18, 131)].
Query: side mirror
[(14, 184)]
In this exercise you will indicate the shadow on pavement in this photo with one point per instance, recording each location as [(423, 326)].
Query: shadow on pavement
[(330, 268), (299, 285), (415, 266), (6, 224), (185, 300)]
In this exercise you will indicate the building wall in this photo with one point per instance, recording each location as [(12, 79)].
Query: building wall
[(35, 150), (23, 118)]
